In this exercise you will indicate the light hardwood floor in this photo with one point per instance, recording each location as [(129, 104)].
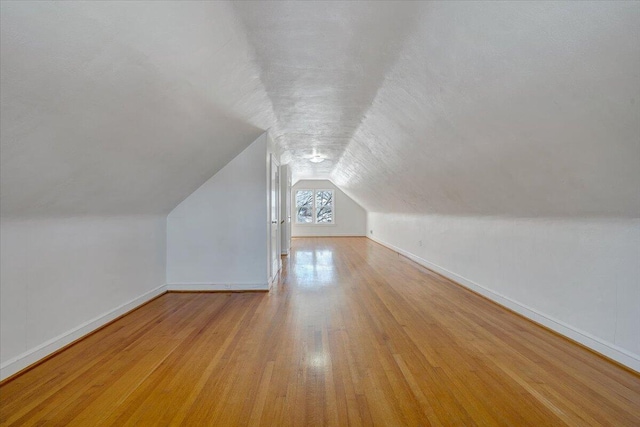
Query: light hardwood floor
[(352, 334)]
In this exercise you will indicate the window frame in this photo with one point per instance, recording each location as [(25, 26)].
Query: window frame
[(314, 214)]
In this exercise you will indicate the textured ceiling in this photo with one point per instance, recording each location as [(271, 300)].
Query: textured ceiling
[(121, 107), (469, 108), (321, 65), (472, 108)]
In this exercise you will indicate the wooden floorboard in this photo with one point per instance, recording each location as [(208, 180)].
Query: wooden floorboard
[(352, 334)]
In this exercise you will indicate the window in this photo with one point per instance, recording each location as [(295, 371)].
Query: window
[(315, 207)]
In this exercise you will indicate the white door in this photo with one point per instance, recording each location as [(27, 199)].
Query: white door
[(288, 211), (285, 209), (274, 248)]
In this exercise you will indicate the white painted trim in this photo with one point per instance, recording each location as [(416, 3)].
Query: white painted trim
[(315, 224), (273, 280), (596, 344), (29, 357), (217, 287), (43, 350), (334, 184)]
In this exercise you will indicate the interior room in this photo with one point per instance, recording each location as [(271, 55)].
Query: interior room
[(320, 213)]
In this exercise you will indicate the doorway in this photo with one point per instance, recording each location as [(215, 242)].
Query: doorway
[(274, 216)]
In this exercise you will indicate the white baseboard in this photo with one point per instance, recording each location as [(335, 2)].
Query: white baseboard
[(29, 357), (35, 354), (596, 344), (217, 287)]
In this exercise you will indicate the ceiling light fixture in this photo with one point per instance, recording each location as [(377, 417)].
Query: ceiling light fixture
[(317, 158)]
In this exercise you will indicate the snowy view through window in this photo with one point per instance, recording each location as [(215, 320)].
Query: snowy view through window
[(314, 207)]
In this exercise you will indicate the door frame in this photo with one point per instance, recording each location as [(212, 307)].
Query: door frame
[(275, 262)]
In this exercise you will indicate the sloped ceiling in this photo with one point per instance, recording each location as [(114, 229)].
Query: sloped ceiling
[(471, 108), (121, 107), (464, 108)]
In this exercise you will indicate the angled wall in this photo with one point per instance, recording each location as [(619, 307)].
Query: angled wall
[(120, 108), (216, 237), (109, 119)]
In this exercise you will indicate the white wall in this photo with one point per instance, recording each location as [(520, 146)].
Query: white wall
[(350, 217), (578, 277), (60, 278), (216, 237)]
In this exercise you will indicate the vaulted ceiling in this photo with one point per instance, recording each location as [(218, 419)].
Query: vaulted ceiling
[(121, 107), (464, 108)]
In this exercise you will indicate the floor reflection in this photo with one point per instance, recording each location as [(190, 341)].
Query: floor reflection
[(314, 267)]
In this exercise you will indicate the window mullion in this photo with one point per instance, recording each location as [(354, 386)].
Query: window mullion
[(315, 208)]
